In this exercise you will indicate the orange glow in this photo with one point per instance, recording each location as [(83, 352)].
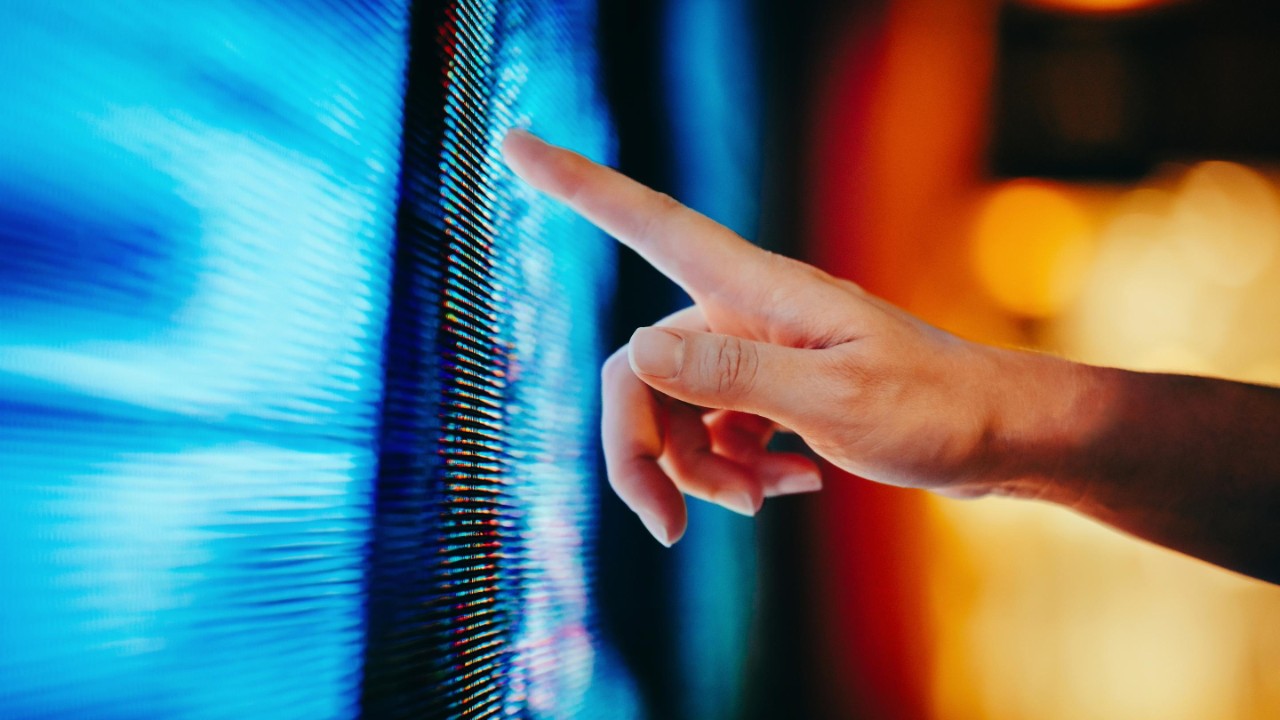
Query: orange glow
[(1096, 6), (1031, 247), (1183, 275), (899, 112), (1004, 610)]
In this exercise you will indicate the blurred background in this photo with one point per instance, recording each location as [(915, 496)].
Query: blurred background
[(298, 410), (1093, 178)]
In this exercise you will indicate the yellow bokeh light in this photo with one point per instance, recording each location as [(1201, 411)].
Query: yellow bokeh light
[(1044, 614), (1226, 222), (1097, 6), (1031, 246)]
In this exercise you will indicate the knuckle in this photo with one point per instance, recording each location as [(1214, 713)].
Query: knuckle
[(664, 204), (655, 221), (572, 173), (856, 381), (784, 266), (805, 269), (849, 286), (845, 376), (734, 366)]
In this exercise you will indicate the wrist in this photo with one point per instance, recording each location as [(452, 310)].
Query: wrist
[(1042, 416)]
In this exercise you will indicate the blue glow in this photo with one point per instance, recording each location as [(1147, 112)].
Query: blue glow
[(294, 426), (196, 217), (711, 82), (491, 598)]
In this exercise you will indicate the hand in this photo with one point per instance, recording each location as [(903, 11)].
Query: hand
[(770, 342)]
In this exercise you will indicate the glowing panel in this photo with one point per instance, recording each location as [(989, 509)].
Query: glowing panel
[(479, 600), (297, 384), (712, 89), (196, 214)]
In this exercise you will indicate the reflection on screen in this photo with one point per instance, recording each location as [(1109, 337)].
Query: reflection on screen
[(296, 386)]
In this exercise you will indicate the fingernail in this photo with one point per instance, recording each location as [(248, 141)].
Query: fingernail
[(515, 134), (738, 502), (512, 132), (794, 484), (656, 528), (802, 483), (657, 353)]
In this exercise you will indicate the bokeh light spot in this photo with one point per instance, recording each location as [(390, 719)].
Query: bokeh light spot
[(1098, 6), (1226, 222), (1031, 247)]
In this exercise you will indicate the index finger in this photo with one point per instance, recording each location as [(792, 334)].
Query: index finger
[(699, 254)]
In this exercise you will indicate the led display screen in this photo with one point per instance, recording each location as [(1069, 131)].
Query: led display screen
[(297, 384)]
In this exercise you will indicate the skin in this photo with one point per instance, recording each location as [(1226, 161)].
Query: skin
[(689, 404)]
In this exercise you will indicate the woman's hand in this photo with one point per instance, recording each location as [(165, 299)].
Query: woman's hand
[(770, 342), (1187, 462)]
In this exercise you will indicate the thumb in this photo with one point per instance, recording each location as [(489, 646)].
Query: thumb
[(723, 371)]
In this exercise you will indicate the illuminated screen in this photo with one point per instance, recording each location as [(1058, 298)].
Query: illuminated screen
[(297, 384)]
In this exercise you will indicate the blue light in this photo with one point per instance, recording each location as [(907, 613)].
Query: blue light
[(711, 82), (486, 513), (279, 408), (196, 218)]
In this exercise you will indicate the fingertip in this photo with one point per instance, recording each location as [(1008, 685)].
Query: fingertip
[(656, 352), (786, 473), (652, 496), (516, 136), (516, 146), (739, 501), (656, 527), (678, 532), (795, 484), (663, 530)]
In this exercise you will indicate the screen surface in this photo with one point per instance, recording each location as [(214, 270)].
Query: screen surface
[(297, 386)]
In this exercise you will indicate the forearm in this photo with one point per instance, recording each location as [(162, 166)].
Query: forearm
[(1187, 462)]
